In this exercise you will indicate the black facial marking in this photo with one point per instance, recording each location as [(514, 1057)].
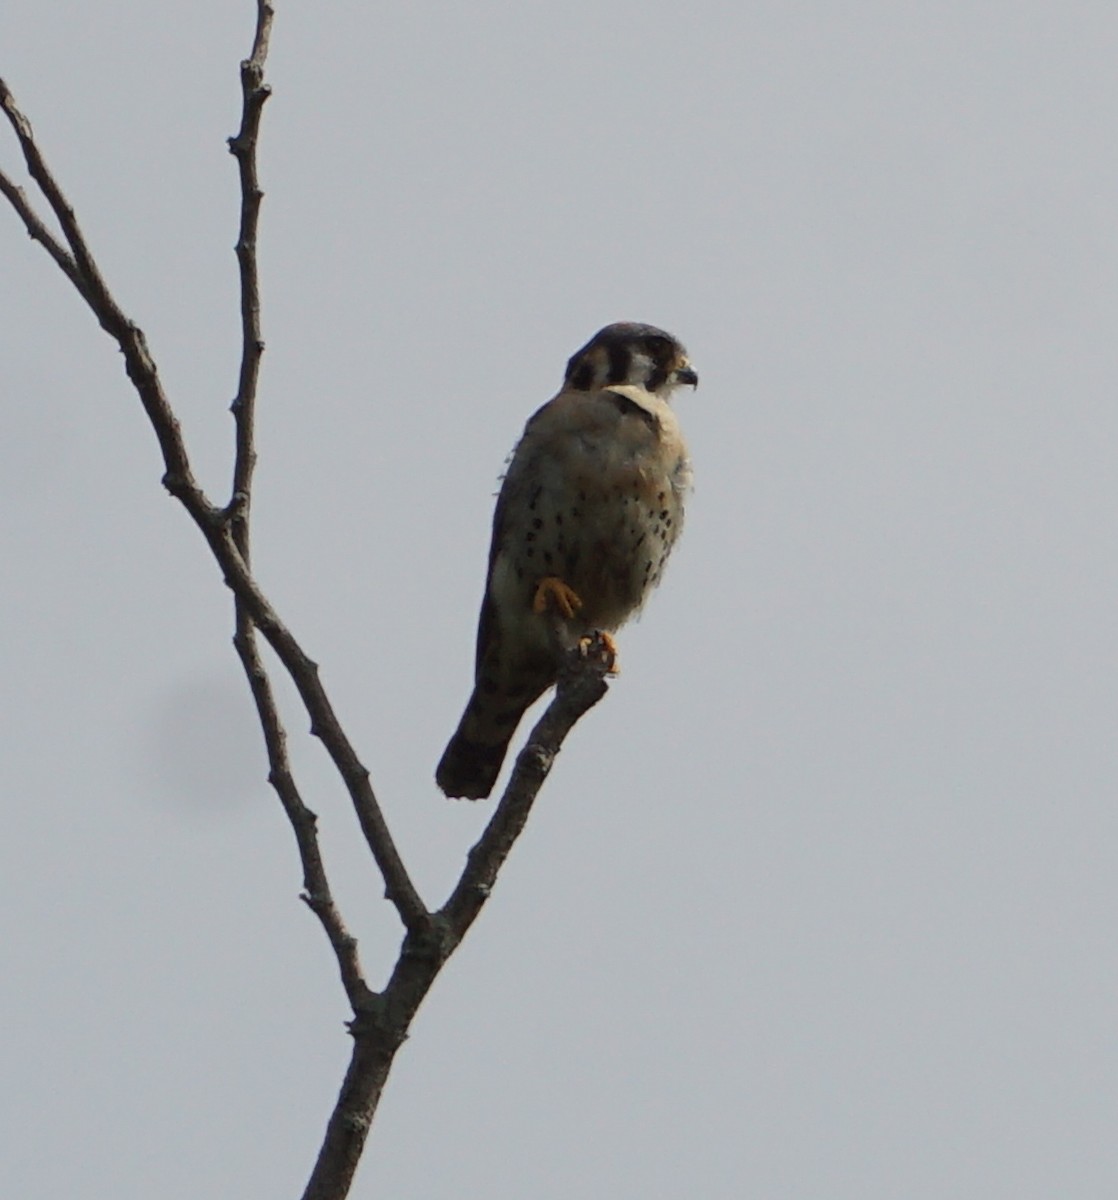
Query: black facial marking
[(616, 345), (619, 358), (582, 377), (656, 379)]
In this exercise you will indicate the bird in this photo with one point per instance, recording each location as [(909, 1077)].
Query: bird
[(589, 509)]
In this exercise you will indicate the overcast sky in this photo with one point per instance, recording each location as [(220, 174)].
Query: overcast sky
[(820, 903)]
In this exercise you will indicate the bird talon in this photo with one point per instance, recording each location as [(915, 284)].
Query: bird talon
[(552, 592), (601, 646)]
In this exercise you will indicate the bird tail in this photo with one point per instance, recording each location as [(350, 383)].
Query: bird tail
[(472, 760)]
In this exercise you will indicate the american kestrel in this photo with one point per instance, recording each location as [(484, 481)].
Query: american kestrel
[(590, 507)]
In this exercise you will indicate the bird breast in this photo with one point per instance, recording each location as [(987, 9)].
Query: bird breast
[(609, 475)]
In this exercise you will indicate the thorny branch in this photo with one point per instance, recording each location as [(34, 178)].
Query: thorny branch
[(381, 1020)]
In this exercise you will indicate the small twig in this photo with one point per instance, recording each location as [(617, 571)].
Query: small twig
[(137, 359), (317, 893), (242, 146), (41, 174), (35, 227)]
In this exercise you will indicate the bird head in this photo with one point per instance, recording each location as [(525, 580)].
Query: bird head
[(631, 353)]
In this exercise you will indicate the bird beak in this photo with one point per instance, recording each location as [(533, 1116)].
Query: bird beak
[(686, 375)]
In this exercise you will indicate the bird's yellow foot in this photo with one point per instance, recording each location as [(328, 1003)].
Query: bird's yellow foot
[(552, 593), (600, 645)]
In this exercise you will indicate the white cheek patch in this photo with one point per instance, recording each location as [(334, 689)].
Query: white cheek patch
[(641, 367)]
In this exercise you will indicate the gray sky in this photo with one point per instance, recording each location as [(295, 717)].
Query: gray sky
[(820, 903)]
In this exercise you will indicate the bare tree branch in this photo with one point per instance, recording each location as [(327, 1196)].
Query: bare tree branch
[(324, 725), (317, 894), (137, 360), (86, 269), (381, 1031), (581, 685), (215, 522), (35, 227), (242, 146)]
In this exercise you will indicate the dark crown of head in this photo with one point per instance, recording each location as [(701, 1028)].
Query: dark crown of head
[(608, 357)]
